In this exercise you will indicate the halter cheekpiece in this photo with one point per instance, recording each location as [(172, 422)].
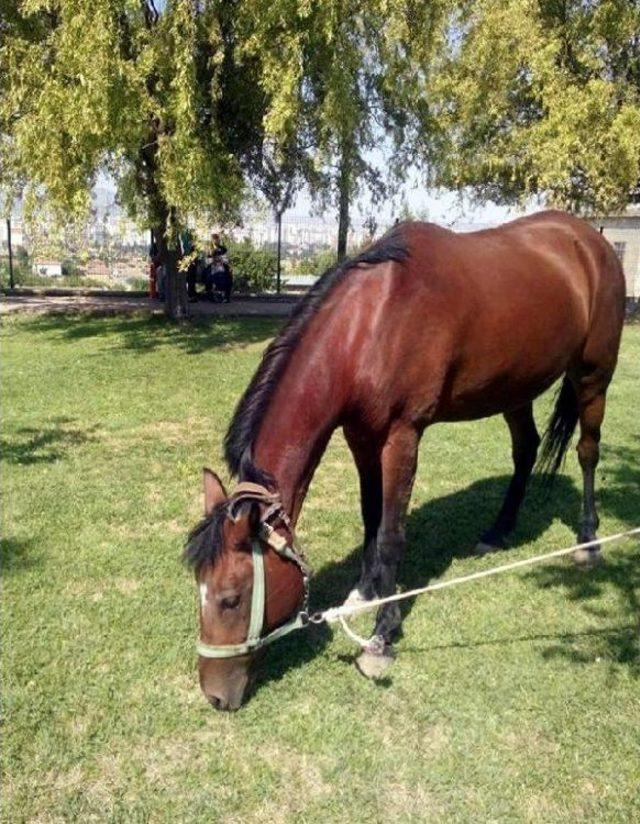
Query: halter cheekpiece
[(272, 509)]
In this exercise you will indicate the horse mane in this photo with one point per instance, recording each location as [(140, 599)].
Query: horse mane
[(244, 426), (205, 539)]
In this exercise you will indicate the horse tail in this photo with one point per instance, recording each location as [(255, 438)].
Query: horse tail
[(562, 423)]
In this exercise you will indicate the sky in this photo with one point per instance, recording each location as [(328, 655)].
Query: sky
[(436, 205), (440, 206)]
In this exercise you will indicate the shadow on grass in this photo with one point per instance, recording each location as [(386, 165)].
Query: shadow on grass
[(618, 492), (618, 496), (621, 572), (35, 446), (448, 527), (142, 333), (437, 532), (15, 556)]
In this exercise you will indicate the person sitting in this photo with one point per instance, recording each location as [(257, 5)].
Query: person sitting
[(219, 275)]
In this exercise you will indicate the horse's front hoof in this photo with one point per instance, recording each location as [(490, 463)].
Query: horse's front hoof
[(587, 558), (373, 666), (375, 659)]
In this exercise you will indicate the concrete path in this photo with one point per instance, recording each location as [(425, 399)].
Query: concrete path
[(111, 305)]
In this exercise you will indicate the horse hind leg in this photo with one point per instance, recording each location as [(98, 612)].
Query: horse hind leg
[(591, 406), (525, 441)]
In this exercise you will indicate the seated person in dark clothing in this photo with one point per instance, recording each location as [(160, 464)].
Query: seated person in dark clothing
[(223, 282), (217, 249), (218, 273)]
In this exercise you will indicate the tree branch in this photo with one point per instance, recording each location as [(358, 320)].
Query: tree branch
[(149, 12)]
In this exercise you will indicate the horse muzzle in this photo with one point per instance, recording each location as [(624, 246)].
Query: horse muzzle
[(225, 684)]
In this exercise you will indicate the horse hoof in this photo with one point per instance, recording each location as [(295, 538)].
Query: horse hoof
[(587, 558), (373, 665), (483, 549), (376, 658)]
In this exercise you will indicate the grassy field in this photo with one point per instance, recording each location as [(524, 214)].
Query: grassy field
[(514, 699)]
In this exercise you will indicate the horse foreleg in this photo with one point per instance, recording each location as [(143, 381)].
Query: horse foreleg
[(399, 461), (368, 462), (525, 441)]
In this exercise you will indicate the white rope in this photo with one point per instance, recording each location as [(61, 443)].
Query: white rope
[(334, 614), (357, 639)]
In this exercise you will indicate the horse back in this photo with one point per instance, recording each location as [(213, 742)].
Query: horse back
[(474, 324)]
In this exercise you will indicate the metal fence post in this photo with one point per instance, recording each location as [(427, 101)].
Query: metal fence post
[(279, 218), (11, 283)]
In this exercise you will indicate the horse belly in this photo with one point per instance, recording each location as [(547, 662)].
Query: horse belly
[(508, 359), (501, 395)]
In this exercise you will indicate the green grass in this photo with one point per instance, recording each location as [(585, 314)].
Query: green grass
[(513, 699)]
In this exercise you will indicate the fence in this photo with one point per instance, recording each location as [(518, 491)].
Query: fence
[(99, 256), (109, 252)]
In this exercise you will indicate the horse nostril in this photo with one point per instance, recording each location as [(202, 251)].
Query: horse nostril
[(216, 702)]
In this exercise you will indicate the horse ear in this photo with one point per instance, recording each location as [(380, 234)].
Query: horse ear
[(214, 491)]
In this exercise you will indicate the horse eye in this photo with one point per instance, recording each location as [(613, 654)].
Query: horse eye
[(230, 603)]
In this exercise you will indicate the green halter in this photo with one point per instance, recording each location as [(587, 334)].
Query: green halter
[(255, 639)]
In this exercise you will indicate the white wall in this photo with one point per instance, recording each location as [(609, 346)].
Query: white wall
[(625, 229)]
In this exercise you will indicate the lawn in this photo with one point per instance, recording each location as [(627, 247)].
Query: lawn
[(512, 699)]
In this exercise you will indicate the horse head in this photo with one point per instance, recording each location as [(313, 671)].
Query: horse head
[(252, 584)]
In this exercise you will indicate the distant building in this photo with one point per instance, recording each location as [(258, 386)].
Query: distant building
[(47, 268), (623, 233), (300, 233)]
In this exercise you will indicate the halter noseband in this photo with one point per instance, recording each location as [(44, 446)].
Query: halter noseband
[(255, 639)]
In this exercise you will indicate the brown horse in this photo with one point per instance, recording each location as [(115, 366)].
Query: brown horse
[(426, 325)]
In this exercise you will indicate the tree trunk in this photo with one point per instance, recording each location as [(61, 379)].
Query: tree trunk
[(165, 231), (344, 191), (176, 304)]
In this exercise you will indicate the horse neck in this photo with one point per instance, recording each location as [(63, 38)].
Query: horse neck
[(304, 411)]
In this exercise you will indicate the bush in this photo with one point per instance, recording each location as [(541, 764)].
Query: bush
[(314, 263), (71, 269), (21, 274), (254, 270), (136, 284)]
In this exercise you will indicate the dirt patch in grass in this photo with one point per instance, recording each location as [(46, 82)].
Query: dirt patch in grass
[(400, 802)]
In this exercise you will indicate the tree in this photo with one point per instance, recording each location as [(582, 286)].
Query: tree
[(354, 78), (541, 98), (178, 102), (353, 74), (117, 85), (278, 172)]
